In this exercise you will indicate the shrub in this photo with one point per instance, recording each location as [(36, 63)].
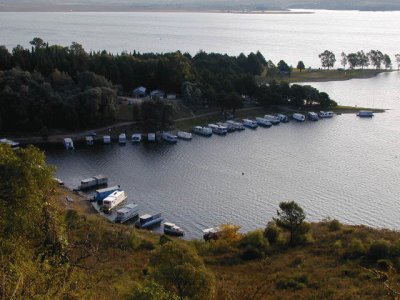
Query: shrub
[(255, 239), (147, 245), (152, 291), (272, 232), (297, 282), (355, 249), (395, 249), (378, 250), (334, 225), (164, 239), (384, 264), (135, 240), (251, 253)]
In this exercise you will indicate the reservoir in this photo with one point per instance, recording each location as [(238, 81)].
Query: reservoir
[(345, 167)]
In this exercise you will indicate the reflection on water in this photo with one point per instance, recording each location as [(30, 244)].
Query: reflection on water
[(345, 167)]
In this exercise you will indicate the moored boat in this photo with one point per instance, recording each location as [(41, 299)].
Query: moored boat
[(136, 138), (273, 119), (146, 221), (229, 127), (365, 114), (151, 137), (126, 213), (122, 138), (325, 114), (89, 140), (250, 123), (283, 118), (236, 125), (106, 139), (184, 135), (169, 137), (211, 233), (172, 229), (263, 122), (299, 117), (93, 182), (12, 144), (113, 200), (312, 116), (101, 194), (69, 144), (218, 129)]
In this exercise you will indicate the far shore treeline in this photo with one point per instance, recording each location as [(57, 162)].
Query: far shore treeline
[(56, 87)]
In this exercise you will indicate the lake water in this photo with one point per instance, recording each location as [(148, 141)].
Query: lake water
[(291, 37), (345, 167)]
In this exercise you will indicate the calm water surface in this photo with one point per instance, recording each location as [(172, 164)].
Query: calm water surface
[(345, 167), (291, 37)]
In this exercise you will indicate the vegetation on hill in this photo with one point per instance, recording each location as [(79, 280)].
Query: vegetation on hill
[(50, 86), (56, 249)]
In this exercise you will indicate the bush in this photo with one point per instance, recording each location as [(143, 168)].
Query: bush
[(164, 239), (255, 239), (384, 264), (379, 250), (334, 225), (355, 249), (294, 283), (152, 291), (272, 232), (147, 245), (251, 253), (135, 240), (395, 249)]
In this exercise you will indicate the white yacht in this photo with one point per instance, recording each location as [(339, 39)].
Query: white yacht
[(113, 200), (106, 139), (211, 233), (89, 140), (169, 137), (126, 213), (313, 116), (283, 118), (273, 119), (69, 144), (151, 137), (299, 117), (172, 229), (184, 135), (250, 123), (263, 122), (136, 138), (325, 114), (202, 130), (236, 125), (218, 129), (122, 138)]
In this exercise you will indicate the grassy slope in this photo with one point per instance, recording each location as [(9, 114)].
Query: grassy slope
[(323, 271)]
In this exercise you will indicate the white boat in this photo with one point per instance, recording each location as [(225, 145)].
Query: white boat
[(147, 221), (126, 213), (273, 119), (12, 144), (312, 116), (172, 229), (113, 200), (325, 114), (101, 194), (59, 181), (263, 122), (365, 114), (218, 129), (211, 233), (236, 125), (106, 139), (151, 137), (69, 144), (202, 130), (184, 135), (136, 138), (299, 117), (89, 140), (229, 127), (283, 118), (93, 182), (122, 138), (250, 123), (169, 137)]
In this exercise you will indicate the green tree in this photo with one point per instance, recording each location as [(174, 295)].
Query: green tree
[(397, 56), (152, 291), (343, 60), (284, 68), (178, 268), (301, 66), (376, 58), (352, 59), (271, 232), (291, 218), (328, 59), (387, 61), (37, 43), (362, 59)]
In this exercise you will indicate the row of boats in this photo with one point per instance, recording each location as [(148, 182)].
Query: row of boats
[(110, 198)]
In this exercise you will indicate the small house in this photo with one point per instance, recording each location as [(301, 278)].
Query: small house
[(139, 92)]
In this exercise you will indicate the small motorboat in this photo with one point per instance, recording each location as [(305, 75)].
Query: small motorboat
[(172, 229), (136, 138), (184, 135), (147, 221)]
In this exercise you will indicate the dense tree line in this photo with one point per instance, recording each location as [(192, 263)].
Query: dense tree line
[(360, 59)]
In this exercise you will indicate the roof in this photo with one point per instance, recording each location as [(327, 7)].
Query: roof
[(146, 216), (169, 224), (111, 188), (100, 176)]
